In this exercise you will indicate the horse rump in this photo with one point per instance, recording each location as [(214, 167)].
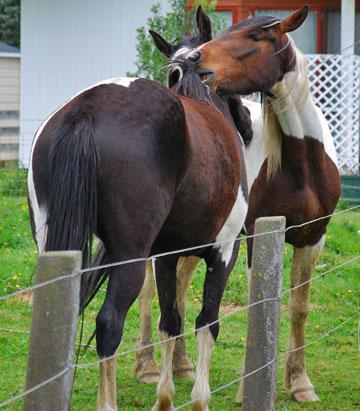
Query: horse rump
[(72, 196)]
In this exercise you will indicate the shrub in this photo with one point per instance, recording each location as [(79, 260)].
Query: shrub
[(172, 26)]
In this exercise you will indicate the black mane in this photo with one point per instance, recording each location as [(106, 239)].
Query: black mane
[(187, 81)]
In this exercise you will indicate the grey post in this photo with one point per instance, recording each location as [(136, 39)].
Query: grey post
[(53, 332), (263, 319)]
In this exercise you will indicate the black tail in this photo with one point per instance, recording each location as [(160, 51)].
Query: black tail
[(92, 281), (72, 201)]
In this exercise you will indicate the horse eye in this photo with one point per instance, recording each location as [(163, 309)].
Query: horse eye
[(256, 36)]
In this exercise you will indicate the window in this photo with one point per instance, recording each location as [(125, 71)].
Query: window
[(227, 17), (333, 32), (305, 37)]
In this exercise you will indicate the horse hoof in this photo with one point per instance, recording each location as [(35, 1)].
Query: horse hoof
[(147, 372), (183, 368), (306, 395), (148, 378), (184, 374), (199, 406), (163, 404)]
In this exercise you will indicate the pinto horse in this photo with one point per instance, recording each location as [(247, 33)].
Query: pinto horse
[(147, 171), (296, 173), (305, 186), (146, 369)]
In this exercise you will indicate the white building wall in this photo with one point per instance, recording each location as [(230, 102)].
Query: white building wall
[(68, 45), (9, 105)]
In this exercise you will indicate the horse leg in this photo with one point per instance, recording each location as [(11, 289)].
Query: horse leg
[(169, 326), (303, 262), (146, 370), (182, 365), (215, 280), (124, 285), (107, 391)]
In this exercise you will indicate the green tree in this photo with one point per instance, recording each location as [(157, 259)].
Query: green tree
[(173, 25), (10, 22)]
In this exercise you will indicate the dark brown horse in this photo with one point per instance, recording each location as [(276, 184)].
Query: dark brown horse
[(148, 171), (146, 369), (296, 175)]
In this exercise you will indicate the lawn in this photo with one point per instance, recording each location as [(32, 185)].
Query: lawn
[(333, 362)]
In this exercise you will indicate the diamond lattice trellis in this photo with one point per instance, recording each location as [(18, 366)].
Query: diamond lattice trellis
[(335, 87)]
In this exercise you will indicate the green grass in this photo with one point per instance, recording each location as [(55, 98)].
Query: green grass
[(333, 362)]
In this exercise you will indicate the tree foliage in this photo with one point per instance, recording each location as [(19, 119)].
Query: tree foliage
[(10, 22), (172, 25)]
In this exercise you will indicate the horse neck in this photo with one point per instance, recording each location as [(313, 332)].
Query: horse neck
[(293, 106), (293, 124)]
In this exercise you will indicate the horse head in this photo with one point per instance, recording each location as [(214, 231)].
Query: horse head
[(250, 56), (183, 76)]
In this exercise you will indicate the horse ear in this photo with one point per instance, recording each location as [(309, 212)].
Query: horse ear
[(204, 24), (161, 44), (294, 21)]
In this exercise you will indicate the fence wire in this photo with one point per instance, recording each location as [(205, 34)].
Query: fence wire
[(154, 257), (282, 355), (192, 331), (95, 363), (73, 366)]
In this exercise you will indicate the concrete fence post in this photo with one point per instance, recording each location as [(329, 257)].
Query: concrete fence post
[(263, 319), (53, 332)]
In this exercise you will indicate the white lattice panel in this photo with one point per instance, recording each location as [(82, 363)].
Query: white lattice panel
[(335, 87)]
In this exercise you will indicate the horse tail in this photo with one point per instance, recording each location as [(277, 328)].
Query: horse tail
[(72, 197), (91, 281)]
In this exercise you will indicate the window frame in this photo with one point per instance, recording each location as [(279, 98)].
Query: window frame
[(232, 9), (319, 19)]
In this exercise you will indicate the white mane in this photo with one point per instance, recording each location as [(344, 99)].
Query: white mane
[(291, 92)]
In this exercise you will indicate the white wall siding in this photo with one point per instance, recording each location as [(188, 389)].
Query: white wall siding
[(9, 83), (68, 45), (9, 105)]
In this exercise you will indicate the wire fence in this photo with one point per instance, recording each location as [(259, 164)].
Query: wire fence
[(180, 251), (85, 365), (140, 348)]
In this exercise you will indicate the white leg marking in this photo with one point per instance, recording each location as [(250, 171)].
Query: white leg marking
[(184, 274), (146, 369), (304, 261), (201, 391), (232, 227), (107, 389), (165, 390)]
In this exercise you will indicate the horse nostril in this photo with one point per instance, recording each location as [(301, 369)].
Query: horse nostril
[(195, 57)]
